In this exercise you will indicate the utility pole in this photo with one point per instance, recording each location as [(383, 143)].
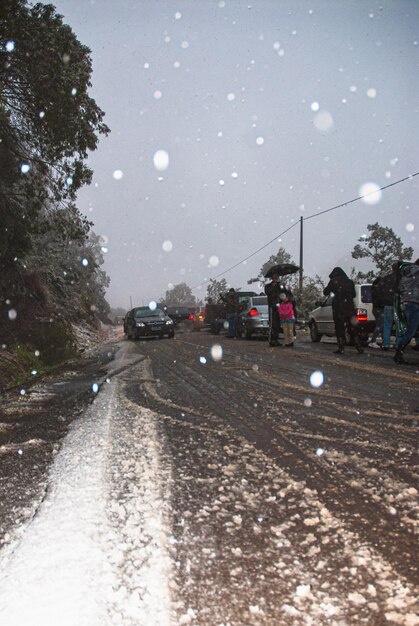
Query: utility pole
[(301, 254)]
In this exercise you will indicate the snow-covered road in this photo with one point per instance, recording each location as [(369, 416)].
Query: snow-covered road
[(169, 505), (102, 516)]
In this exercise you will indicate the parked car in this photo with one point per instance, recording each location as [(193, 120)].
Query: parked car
[(215, 314), (145, 322), (321, 319), (181, 315), (254, 317)]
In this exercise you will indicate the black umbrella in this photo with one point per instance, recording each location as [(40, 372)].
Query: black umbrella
[(282, 269)]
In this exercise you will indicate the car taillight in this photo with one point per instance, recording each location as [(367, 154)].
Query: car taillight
[(191, 317), (201, 316), (253, 313), (362, 315)]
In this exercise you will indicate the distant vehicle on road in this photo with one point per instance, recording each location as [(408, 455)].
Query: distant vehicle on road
[(182, 316), (254, 317), (321, 319), (198, 321), (145, 322)]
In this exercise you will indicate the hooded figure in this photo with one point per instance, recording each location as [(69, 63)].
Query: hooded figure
[(343, 307)]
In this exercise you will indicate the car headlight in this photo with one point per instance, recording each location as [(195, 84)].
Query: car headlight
[(140, 324), (169, 322)]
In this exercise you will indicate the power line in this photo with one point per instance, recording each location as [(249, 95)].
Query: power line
[(247, 258), (338, 206)]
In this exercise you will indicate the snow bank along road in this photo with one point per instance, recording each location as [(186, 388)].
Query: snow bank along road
[(215, 485)]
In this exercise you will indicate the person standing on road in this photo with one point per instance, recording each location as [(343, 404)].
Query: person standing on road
[(287, 317), (390, 290), (343, 308), (409, 295), (378, 298), (231, 304), (272, 291)]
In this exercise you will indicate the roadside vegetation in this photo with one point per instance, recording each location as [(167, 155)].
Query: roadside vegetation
[(50, 259)]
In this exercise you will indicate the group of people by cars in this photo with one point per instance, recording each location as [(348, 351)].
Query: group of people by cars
[(395, 306)]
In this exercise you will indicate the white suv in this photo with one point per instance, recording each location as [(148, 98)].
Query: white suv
[(321, 319)]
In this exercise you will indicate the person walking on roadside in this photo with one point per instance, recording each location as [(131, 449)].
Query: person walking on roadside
[(343, 308), (287, 317), (409, 295), (231, 302)]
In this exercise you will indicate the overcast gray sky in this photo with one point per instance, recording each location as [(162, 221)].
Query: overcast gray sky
[(265, 110)]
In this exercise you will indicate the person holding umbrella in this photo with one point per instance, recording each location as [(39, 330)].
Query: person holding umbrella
[(273, 290)]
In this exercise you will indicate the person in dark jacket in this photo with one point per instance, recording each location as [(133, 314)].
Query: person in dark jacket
[(409, 296), (231, 302), (273, 290), (378, 303), (343, 308), (390, 285)]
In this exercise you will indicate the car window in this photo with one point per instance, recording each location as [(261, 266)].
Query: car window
[(366, 295), (146, 312), (328, 300), (260, 300)]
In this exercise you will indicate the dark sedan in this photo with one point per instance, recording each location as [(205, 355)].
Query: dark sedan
[(145, 322)]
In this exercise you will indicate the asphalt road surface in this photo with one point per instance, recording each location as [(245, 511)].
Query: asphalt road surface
[(239, 484)]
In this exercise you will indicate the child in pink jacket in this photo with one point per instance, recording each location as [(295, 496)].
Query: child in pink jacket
[(287, 317)]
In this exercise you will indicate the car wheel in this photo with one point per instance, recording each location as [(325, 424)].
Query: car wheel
[(314, 332)]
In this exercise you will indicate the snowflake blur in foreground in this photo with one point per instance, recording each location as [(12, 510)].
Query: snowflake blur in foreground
[(167, 246), (317, 378), (85, 262), (260, 141), (12, 314), (161, 160), (152, 305), (24, 168), (95, 388), (372, 193), (213, 261), (319, 451), (216, 352), (202, 360), (118, 174), (10, 46), (410, 227), (323, 121)]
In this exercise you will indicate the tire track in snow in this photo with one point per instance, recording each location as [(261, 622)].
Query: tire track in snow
[(334, 485)]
